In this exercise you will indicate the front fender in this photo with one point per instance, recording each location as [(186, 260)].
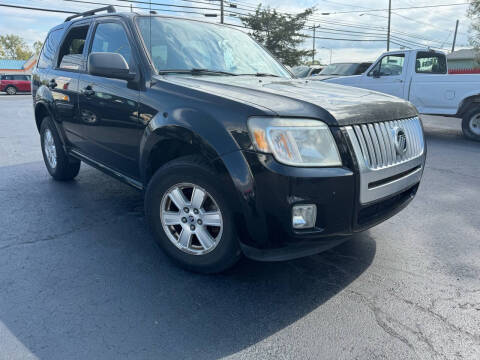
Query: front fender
[(189, 126)]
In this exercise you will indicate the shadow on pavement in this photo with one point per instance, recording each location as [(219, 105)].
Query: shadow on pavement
[(91, 283)]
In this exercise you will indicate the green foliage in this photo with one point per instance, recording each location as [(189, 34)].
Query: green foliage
[(474, 14), (280, 34), (14, 47), (37, 47)]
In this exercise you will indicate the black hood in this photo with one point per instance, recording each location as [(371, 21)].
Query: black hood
[(332, 103)]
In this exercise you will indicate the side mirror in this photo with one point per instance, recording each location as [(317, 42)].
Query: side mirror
[(110, 65), (376, 74)]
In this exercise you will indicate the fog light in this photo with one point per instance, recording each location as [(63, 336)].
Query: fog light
[(304, 216)]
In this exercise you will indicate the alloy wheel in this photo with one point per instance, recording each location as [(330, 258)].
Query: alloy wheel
[(50, 149), (191, 218)]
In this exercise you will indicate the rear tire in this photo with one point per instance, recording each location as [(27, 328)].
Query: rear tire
[(471, 123), (60, 166), (11, 90), (199, 235)]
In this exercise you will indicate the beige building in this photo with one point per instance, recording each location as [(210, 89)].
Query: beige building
[(465, 59)]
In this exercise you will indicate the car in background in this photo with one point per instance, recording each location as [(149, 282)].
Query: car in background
[(12, 84), (343, 69), (304, 71)]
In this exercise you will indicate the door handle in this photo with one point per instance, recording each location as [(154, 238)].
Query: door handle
[(88, 91), (52, 84)]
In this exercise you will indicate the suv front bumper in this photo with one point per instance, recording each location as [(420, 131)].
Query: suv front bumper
[(335, 192)]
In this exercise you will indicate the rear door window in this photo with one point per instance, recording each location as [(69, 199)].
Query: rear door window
[(49, 49), (430, 63), (72, 49)]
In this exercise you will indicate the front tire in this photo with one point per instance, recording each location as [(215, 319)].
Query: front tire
[(187, 208), (60, 166), (11, 90), (471, 123)]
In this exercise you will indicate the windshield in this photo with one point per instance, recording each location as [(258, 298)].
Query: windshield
[(301, 71), (177, 44), (339, 69)]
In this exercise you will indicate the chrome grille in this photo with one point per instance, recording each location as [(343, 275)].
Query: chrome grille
[(377, 142)]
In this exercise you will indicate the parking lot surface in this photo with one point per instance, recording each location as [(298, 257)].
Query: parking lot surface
[(81, 276)]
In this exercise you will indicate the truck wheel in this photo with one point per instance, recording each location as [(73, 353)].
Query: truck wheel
[(191, 219), (471, 123), (11, 90), (60, 166)]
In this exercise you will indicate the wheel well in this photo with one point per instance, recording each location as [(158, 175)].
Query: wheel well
[(467, 102), (40, 112), (170, 150), (173, 149)]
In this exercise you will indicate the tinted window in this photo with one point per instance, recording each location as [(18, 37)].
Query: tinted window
[(344, 69), (16, 77), (111, 37), (390, 65), (49, 49), (70, 56), (301, 71), (431, 63), (362, 68)]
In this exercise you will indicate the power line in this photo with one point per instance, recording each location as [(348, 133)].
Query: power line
[(400, 8), (415, 36), (367, 36), (38, 9)]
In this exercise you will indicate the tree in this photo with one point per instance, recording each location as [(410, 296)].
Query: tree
[(37, 47), (474, 14), (280, 34), (14, 47)]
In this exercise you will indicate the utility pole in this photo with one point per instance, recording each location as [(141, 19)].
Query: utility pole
[(389, 21), (455, 36), (313, 49), (221, 11)]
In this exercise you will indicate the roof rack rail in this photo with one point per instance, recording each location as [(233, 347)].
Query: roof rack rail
[(109, 9)]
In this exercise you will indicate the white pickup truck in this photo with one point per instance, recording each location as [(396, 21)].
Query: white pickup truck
[(421, 77)]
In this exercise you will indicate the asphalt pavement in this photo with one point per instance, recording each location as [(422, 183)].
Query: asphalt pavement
[(81, 276)]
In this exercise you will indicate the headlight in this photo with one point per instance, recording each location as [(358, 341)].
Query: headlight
[(297, 142)]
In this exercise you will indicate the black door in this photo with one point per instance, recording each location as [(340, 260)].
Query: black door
[(108, 108)]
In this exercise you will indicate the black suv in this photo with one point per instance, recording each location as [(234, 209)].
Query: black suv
[(233, 153)]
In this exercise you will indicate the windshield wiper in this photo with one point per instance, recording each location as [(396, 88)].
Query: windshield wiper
[(259, 74), (195, 71)]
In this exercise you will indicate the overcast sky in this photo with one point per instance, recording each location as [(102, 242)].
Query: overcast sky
[(348, 19)]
